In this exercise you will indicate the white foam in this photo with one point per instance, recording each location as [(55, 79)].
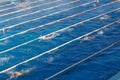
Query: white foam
[(49, 59), (4, 42), (100, 32), (4, 60)]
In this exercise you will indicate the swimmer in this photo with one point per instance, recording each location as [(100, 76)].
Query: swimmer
[(17, 74), (48, 37), (105, 17), (87, 39), (14, 75), (4, 30), (92, 37)]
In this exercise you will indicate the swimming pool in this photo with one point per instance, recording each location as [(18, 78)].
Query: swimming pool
[(60, 39)]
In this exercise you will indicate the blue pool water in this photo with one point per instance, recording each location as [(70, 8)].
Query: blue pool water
[(47, 37)]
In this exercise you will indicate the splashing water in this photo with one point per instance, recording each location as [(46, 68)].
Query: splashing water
[(4, 42), (100, 33), (5, 60), (20, 3), (48, 59)]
